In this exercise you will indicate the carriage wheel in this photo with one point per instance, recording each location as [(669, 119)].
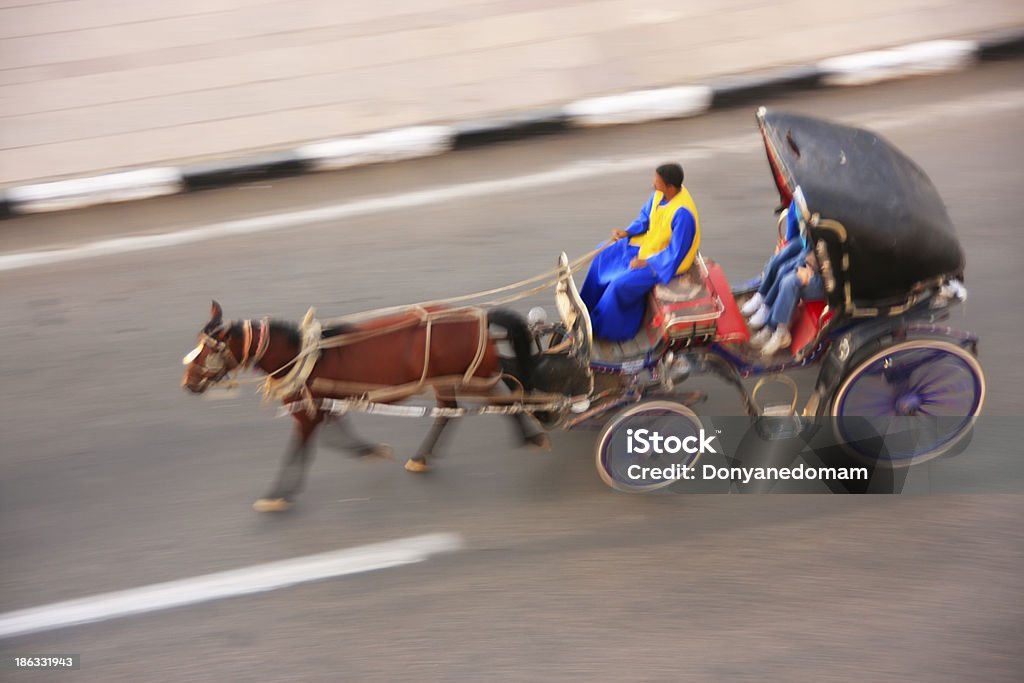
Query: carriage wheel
[(612, 454), (909, 403)]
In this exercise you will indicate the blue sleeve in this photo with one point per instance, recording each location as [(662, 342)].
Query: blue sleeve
[(792, 222), (666, 262), (643, 221)]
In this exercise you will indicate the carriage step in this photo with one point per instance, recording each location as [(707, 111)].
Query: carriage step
[(778, 410), (777, 420), (776, 427)]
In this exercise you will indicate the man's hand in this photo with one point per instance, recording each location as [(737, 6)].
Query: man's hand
[(803, 275), (619, 234), (637, 263)]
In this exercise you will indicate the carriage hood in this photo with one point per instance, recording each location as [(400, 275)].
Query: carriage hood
[(880, 220)]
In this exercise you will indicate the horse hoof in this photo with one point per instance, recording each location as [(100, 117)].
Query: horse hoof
[(540, 442), (416, 465), (271, 505)]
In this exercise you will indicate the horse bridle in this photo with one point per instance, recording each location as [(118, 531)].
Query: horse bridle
[(220, 361)]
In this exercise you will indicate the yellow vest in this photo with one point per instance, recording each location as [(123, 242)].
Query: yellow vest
[(659, 231)]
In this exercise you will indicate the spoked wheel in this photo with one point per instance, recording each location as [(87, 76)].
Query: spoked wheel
[(626, 456), (909, 403)]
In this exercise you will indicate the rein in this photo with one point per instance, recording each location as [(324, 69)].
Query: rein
[(549, 278)]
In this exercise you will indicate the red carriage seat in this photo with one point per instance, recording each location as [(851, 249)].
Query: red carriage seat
[(731, 326), (697, 305), (807, 321)]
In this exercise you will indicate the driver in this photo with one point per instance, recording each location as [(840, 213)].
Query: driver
[(662, 243)]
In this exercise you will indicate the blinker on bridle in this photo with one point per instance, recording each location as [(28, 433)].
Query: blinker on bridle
[(221, 360)]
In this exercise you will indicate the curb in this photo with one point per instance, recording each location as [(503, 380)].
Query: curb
[(736, 90), (207, 176), (1002, 45), (915, 59), (488, 131)]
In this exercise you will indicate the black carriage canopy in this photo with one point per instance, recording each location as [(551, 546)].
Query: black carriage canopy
[(898, 234)]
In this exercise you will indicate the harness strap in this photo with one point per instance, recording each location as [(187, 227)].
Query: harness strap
[(421, 316), (481, 346), (386, 392), (247, 343), (426, 350), (301, 366), (264, 340)]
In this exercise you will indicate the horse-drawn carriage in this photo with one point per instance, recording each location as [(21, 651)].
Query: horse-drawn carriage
[(892, 268)]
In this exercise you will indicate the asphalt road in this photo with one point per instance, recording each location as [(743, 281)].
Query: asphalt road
[(111, 477)]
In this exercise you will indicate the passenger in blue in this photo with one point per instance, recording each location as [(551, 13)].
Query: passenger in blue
[(786, 258), (791, 275), (803, 283)]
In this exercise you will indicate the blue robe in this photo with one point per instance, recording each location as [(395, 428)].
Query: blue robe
[(616, 295)]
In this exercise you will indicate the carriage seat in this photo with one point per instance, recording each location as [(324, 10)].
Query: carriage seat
[(689, 286), (807, 321), (697, 305)]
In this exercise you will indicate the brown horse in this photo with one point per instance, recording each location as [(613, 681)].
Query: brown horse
[(386, 352)]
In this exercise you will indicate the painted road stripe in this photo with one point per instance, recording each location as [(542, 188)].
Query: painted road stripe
[(257, 579), (976, 105)]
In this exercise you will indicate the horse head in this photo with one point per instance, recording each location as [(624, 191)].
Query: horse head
[(216, 355)]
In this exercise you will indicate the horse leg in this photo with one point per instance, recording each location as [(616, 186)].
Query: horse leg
[(529, 428), (292, 475), (342, 437), (418, 462), (532, 433)]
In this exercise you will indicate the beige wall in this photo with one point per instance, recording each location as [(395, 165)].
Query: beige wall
[(88, 86)]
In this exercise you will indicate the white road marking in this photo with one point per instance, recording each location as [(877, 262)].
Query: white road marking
[(256, 579), (975, 105)]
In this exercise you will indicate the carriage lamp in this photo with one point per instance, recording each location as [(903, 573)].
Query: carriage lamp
[(537, 316)]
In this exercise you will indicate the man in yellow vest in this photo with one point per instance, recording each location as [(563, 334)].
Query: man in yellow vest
[(660, 244)]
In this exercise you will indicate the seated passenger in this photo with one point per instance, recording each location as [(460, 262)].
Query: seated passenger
[(803, 283), (788, 255), (662, 243)]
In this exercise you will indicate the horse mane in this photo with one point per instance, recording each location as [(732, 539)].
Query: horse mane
[(335, 330), (291, 330)]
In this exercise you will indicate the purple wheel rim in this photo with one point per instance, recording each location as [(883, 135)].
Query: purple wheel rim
[(917, 399)]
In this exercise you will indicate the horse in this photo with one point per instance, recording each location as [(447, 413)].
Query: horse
[(454, 354)]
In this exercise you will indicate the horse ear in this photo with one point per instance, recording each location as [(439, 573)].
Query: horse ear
[(216, 312)]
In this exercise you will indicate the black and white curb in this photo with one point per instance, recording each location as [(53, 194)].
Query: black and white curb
[(641, 106)]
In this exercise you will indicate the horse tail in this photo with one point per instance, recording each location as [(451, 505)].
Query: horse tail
[(519, 336)]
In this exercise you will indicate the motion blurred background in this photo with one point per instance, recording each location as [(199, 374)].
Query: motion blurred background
[(112, 478)]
